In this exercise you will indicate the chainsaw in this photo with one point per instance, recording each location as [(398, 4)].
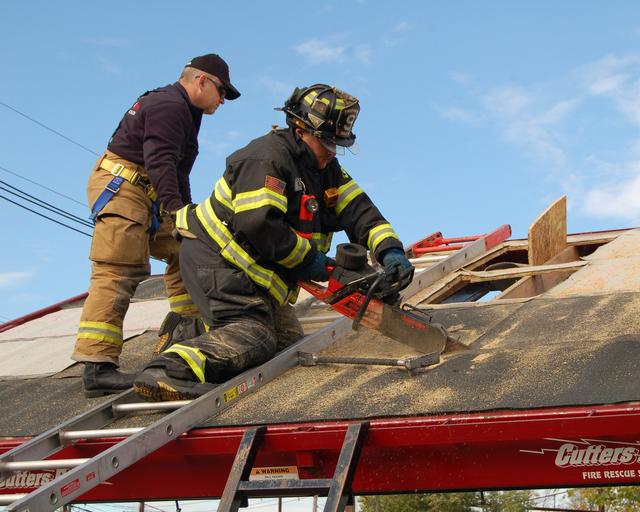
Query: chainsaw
[(371, 298)]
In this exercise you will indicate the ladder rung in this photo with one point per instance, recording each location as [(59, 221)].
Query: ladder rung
[(41, 464), (8, 499), (304, 320), (74, 435), (309, 484), (150, 406)]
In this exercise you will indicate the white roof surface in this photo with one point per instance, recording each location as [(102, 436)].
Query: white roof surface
[(43, 346)]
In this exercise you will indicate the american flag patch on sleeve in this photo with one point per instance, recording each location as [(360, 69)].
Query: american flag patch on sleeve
[(275, 184)]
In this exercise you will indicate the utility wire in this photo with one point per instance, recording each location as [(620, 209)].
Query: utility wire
[(53, 220), (42, 186), (69, 139), (48, 128), (43, 204), (77, 219), (44, 216)]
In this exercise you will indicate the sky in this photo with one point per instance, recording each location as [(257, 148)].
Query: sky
[(473, 114)]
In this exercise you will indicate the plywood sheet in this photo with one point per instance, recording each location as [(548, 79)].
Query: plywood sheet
[(548, 233), (612, 268)]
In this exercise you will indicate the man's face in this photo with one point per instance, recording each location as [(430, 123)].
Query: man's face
[(322, 150), (211, 94)]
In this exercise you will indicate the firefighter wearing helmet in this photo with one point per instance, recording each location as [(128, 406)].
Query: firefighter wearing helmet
[(267, 224)]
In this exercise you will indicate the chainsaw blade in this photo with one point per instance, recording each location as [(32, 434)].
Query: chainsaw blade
[(406, 327), (393, 322)]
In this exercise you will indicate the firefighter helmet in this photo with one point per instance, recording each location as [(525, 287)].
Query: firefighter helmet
[(327, 112)]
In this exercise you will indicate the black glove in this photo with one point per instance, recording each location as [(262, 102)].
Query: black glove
[(316, 269), (397, 267)]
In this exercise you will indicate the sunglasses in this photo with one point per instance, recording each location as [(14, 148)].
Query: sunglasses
[(221, 90)]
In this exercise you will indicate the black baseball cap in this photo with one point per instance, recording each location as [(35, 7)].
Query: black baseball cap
[(215, 65)]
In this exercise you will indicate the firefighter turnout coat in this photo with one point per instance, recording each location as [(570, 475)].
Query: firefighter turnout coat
[(273, 208)]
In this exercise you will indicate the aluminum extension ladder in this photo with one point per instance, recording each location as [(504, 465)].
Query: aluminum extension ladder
[(182, 416)]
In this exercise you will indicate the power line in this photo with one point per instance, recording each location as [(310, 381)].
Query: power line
[(44, 216), (43, 204), (76, 219), (70, 216), (48, 128), (41, 186)]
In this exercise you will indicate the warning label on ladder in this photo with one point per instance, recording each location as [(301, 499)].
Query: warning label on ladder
[(274, 473)]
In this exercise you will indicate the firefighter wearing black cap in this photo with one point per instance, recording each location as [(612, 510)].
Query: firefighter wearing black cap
[(134, 188), (267, 224)]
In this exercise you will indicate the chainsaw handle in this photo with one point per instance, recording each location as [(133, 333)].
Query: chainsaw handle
[(365, 304)]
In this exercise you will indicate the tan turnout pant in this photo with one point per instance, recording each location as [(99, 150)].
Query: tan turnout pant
[(120, 253)]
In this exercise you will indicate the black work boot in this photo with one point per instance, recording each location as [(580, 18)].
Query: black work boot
[(156, 385), (104, 379)]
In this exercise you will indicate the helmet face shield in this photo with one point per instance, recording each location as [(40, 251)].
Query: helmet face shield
[(327, 112)]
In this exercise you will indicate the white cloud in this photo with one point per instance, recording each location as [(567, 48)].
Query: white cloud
[(537, 141), (620, 200), (525, 123), (362, 52), (558, 112), (554, 123), (397, 34), (616, 78), (457, 115), (108, 66), (460, 77), (508, 101), (276, 87), (403, 26), (13, 278), (317, 51)]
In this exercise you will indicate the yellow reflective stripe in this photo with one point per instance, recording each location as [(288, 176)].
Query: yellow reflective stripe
[(100, 331), (264, 277), (322, 241), (259, 198), (187, 308), (347, 193), (293, 295), (236, 255), (101, 326), (212, 225), (378, 234), (181, 218), (223, 193), (193, 357), (296, 256), (339, 104), (184, 297), (181, 303), (100, 337), (310, 97)]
